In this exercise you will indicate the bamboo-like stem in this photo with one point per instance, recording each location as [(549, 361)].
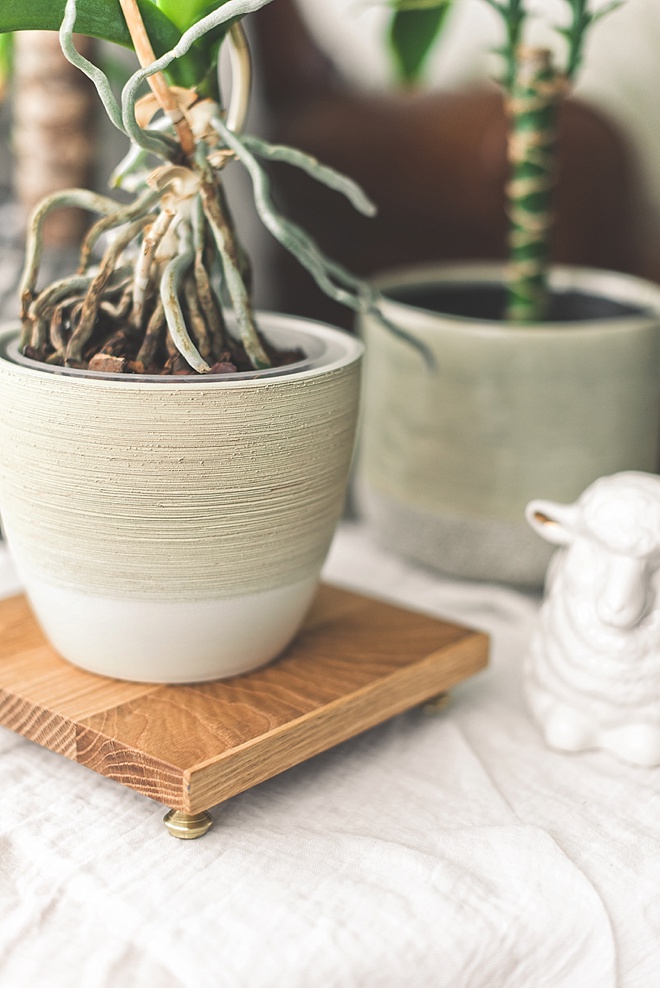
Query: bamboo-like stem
[(514, 16), (583, 18), (532, 107), (146, 57), (211, 195)]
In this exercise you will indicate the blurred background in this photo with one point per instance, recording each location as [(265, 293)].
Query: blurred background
[(433, 159)]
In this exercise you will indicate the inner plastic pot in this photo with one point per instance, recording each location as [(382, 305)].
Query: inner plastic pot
[(314, 352), (487, 301)]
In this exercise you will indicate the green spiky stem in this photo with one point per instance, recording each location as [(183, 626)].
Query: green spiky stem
[(532, 107)]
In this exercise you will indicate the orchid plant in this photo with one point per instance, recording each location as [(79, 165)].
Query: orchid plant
[(534, 87), (159, 296)]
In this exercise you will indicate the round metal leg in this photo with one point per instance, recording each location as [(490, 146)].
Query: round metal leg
[(437, 704), (187, 826)]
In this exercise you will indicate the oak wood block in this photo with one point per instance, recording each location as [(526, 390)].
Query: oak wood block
[(356, 662)]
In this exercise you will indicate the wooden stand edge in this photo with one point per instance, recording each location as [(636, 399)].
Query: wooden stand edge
[(356, 663)]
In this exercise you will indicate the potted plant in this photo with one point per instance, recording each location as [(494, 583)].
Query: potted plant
[(172, 464), (544, 378)]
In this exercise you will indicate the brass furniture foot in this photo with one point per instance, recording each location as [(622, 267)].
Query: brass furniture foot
[(187, 826), (437, 704)]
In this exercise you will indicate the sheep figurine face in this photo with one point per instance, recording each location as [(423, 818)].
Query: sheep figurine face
[(592, 673)]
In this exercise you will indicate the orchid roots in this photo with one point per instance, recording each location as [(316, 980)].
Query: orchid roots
[(171, 291)]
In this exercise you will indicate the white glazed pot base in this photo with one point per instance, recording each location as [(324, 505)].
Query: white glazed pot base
[(170, 641)]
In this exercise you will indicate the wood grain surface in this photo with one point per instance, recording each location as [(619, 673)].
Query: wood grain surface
[(356, 662)]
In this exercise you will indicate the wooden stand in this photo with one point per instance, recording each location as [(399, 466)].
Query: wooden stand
[(356, 663)]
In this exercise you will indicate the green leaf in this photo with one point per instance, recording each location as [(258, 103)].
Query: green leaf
[(104, 19), (96, 18), (185, 13), (6, 58), (413, 32), (607, 9), (419, 4)]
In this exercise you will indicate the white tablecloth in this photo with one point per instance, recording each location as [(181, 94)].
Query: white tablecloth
[(451, 851)]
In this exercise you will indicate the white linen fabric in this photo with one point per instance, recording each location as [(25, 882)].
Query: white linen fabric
[(443, 851)]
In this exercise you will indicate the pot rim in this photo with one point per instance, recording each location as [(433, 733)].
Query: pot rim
[(331, 349), (624, 288)]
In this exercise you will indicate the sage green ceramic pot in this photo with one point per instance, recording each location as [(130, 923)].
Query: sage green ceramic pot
[(450, 454)]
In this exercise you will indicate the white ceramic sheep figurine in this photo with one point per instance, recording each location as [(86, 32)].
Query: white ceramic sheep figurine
[(593, 669)]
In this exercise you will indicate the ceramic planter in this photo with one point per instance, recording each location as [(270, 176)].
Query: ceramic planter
[(451, 455), (173, 530)]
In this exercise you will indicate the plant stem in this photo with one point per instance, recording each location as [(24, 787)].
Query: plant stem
[(532, 109), (514, 15), (157, 81)]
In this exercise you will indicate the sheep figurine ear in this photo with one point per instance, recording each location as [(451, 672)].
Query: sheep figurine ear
[(554, 522)]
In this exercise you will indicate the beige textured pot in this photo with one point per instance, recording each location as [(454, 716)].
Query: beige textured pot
[(450, 456), (173, 530)]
